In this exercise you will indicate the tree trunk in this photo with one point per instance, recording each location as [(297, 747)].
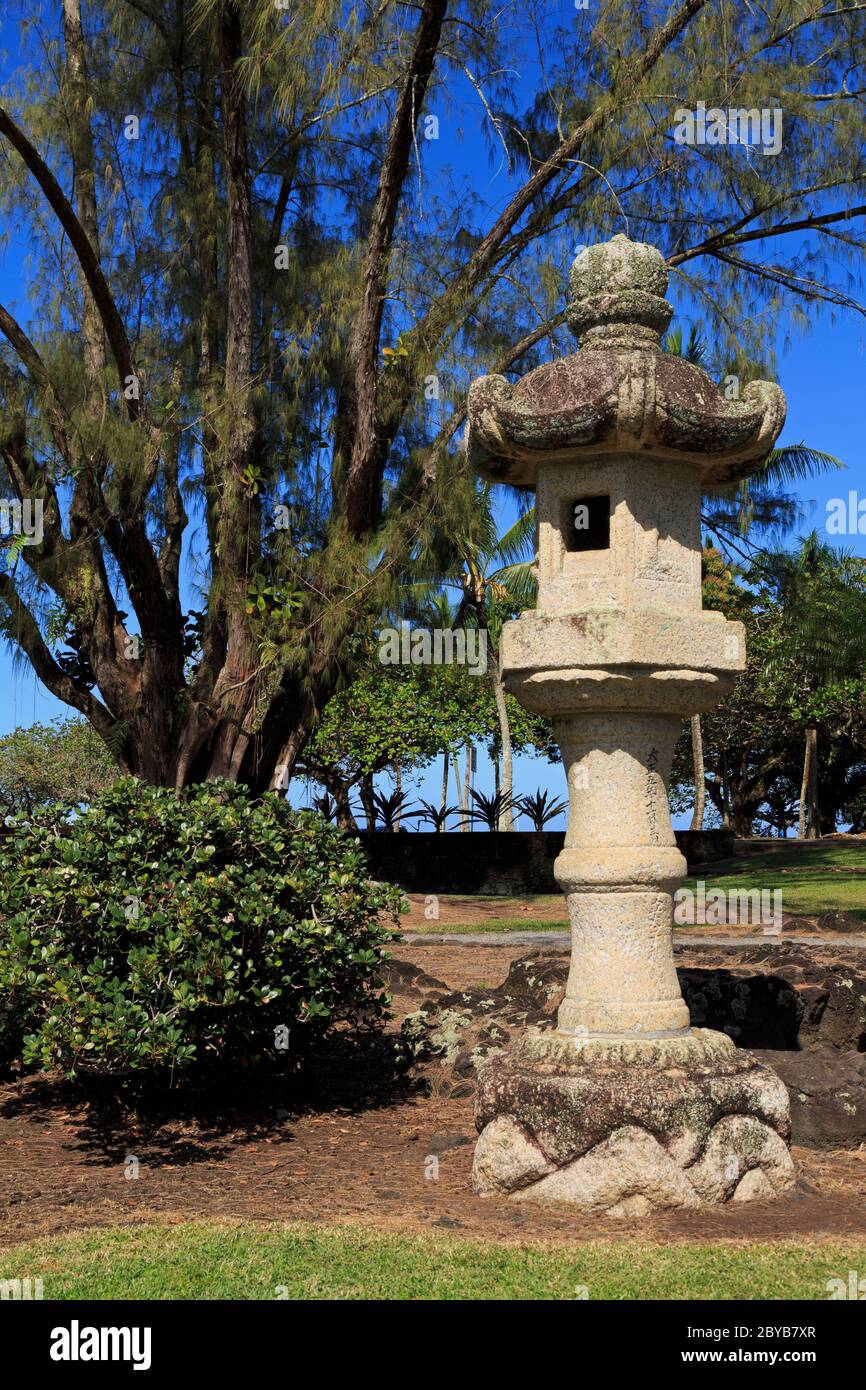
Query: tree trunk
[(240, 510), (464, 819), (803, 816), (78, 108), (815, 830), (345, 818), (506, 818), (358, 438), (365, 791), (398, 788), (698, 765), (467, 778), (807, 828), (726, 795), (444, 801)]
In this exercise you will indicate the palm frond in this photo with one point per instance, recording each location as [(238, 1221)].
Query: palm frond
[(518, 543), (517, 583), (794, 462), (696, 350)]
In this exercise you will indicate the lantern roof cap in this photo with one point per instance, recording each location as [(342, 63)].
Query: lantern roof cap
[(620, 393)]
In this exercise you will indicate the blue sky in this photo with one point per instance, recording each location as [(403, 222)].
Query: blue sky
[(823, 375)]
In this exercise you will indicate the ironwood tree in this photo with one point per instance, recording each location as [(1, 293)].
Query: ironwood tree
[(260, 278)]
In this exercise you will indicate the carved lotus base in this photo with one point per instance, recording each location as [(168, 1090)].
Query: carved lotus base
[(625, 1127)]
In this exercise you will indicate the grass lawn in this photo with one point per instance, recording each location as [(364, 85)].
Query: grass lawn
[(307, 1261), (812, 880), (826, 878)]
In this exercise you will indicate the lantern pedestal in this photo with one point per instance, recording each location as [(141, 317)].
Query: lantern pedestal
[(622, 1126), (623, 1107)]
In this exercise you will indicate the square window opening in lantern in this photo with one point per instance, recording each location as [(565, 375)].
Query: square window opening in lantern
[(586, 523)]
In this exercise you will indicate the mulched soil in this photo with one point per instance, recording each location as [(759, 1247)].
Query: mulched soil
[(350, 1147)]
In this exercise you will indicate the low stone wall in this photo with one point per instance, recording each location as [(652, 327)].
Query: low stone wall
[(519, 861)]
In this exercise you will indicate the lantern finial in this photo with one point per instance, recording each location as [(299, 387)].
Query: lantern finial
[(618, 295)]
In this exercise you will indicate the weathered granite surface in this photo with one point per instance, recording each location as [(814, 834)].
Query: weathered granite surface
[(596, 1128), (619, 649), (619, 440), (620, 391)]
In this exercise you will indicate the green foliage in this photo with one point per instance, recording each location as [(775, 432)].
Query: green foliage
[(804, 613), (758, 503), (268, 381), (541, 807), (821, 595), (407, 715), (489, 810), (65, 761), (749, 740), (719, 588), (170, 933), (390, 806), (397, 715), (438, 816)]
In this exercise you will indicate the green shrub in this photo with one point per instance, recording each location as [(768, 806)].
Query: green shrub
[(160, 932)]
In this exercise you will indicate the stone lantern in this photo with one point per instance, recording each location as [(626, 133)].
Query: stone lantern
[(623, 1106)]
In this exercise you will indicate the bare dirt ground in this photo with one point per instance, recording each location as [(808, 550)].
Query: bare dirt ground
[(475, 911), (350, 1148)]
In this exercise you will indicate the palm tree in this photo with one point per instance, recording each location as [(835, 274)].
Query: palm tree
[(497, 582), (491, 809), (437, 815), (494, 579), (759, 502), (422, 601), (540, 808)]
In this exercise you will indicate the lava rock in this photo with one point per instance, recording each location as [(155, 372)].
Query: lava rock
[(827, 1091)]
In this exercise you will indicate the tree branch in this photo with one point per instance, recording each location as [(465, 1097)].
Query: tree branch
[(356, 432), (87, 258), (721, 241), (77, 100), (25, 632), (806, 286), (447, 311), (27, 352)]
